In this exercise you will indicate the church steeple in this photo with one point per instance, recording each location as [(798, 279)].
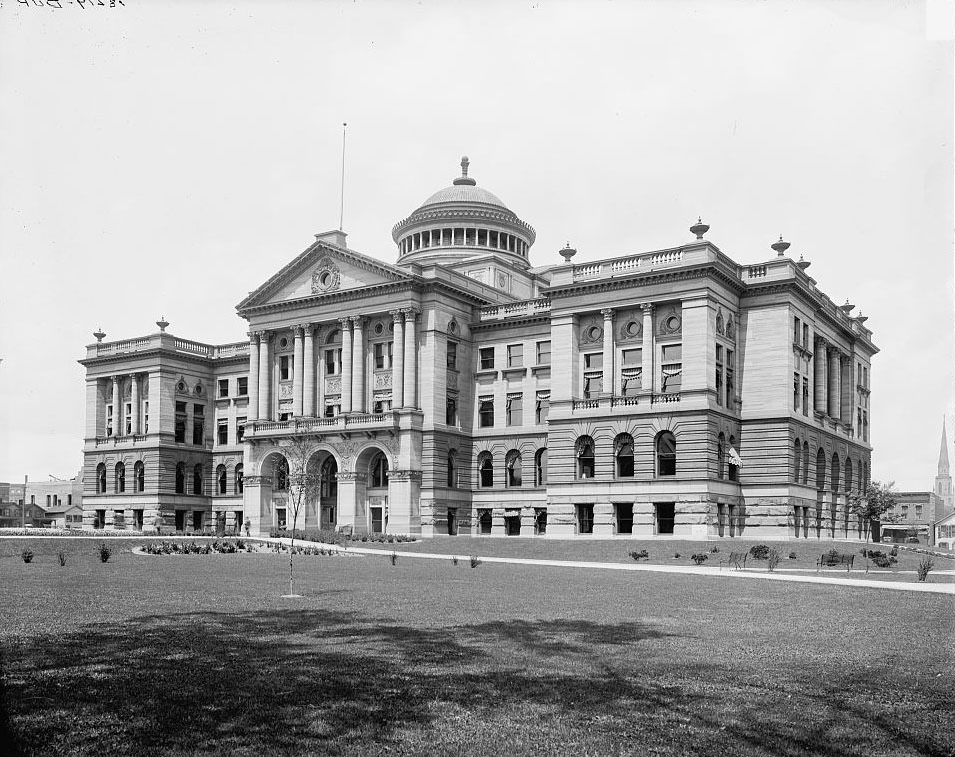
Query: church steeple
[(943, 454)]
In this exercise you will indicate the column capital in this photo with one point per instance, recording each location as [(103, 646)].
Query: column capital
[(116, 377), (253, 335), (266, 336), (396, 315), (410, 314), (607, 313), (345, 323), (646, 307), (310, 328), (358, 321), (821, 340), (297, 330)]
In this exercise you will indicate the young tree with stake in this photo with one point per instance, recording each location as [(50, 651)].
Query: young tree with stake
[(303, 488)]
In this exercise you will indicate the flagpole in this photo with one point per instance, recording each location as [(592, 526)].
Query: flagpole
[(341, 218)]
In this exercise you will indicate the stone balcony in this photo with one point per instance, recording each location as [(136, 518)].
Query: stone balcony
[(340, 423), (169, 343)]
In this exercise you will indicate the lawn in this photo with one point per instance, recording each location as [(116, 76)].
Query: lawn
[(201, 655)]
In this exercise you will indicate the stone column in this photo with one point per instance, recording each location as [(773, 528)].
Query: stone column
[(608, 377), (834, 383), (647, 380), (117, 407), (358, 364), (134, 402), (411, 357), (398, 360), (144, 398), (346, 364), (252, 411), (821, 376), (297, 384), (308, 371), (265, 375)]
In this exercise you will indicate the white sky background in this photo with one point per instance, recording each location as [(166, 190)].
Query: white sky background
[(165, 158)]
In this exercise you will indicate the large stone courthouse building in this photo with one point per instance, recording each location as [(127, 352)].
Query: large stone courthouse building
[(462, 390)]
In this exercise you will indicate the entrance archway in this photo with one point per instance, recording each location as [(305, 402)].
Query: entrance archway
[(371, 495), (328, 469)]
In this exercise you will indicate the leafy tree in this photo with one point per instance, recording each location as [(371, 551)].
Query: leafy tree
[(303, 488), (874, 503)]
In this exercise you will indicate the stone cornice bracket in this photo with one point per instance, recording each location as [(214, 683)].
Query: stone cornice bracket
[(607, 313), (396, 315)]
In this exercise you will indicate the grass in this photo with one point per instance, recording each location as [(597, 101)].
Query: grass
[(172, 656)]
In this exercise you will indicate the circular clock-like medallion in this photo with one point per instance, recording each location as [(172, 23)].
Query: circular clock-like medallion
[(181, 386), (379, 328), (673, 323), (594, 333), (198, 389), (633, 328)]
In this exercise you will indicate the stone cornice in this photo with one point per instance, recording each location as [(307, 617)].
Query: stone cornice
[(347, 295), (687, 273), (126, 357), (507, 322), (448, 212)]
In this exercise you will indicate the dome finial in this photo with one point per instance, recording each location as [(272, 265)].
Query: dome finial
[(464, 178)]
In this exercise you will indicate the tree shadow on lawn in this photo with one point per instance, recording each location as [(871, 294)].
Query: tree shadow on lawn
[(292, 681)]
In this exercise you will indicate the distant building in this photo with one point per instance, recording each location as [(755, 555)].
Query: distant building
[(915, 515), (56, 494), (945, 532), (943, 480), (11, 500), (670, 392), (66, 516)]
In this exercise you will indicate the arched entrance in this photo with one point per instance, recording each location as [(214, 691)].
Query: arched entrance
[(371, 495)]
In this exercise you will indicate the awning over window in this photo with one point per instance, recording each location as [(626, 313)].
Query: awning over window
[(734, 458)]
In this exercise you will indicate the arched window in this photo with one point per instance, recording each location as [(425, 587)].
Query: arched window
[(452, 469), (101, 478), (330, 478), (379, 470), (805, 462), (666, 454), (334, 337), (139, 473), (197, 479), (848, 475), (512, 464), (120, 478), (835, 472), (180, 478), (280, 482), (486, 469), (821, 469), (585, 457), (221, 479), (720, 455), (623, 453), (239, 483), (733, 460), (797, 453), (540, 467)]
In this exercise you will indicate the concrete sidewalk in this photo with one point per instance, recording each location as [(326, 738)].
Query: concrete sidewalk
[(932, 588)]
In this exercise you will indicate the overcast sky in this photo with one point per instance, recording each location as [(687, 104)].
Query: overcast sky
[(164, 158)]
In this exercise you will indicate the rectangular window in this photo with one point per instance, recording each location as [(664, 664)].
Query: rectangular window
[(542, 408), (665, 517), (181, 422), (487, 358), (918, 512), (239, 430), (222, 433), (805, 395), (805, 335), (109, 420), (280, 518), (451, 412), (146, 417), (543, 353), (198, 424), (594, 361), (796, 391), (331, 411), (486, 412), (285, 368), (797, 331), (905, 511), (585, 519), (515, 410), (452, 356), (593, 374), (719, 375), (223, 387), (671, 368), (285, 417), (730, 396), (242, 386), (381, 406), (129, 419), (383, 355), (515, 355), (333, 362)]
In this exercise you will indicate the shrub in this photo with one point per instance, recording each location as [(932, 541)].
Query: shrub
[(393, 557), (792, 555), (61, 556), (641, 555), (475, 561), (879, 557), (676, 555), (105, 552), (701, 558), (714, 550), (925, 565), (895, 550), (773, 558), (759, 551), (27, 555), (454, 559)]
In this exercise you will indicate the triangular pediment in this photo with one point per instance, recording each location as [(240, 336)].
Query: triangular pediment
[(323, 269)]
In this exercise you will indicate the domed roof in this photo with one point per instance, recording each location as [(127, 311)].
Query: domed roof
[(463, 189)]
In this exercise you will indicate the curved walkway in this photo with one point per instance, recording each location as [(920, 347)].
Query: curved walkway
[(932, 588)]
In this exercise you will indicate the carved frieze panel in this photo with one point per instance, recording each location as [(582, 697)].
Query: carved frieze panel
[(382, 379), (669, 321), (333, 385), (591, 329), (452, 380), (630, 326)]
